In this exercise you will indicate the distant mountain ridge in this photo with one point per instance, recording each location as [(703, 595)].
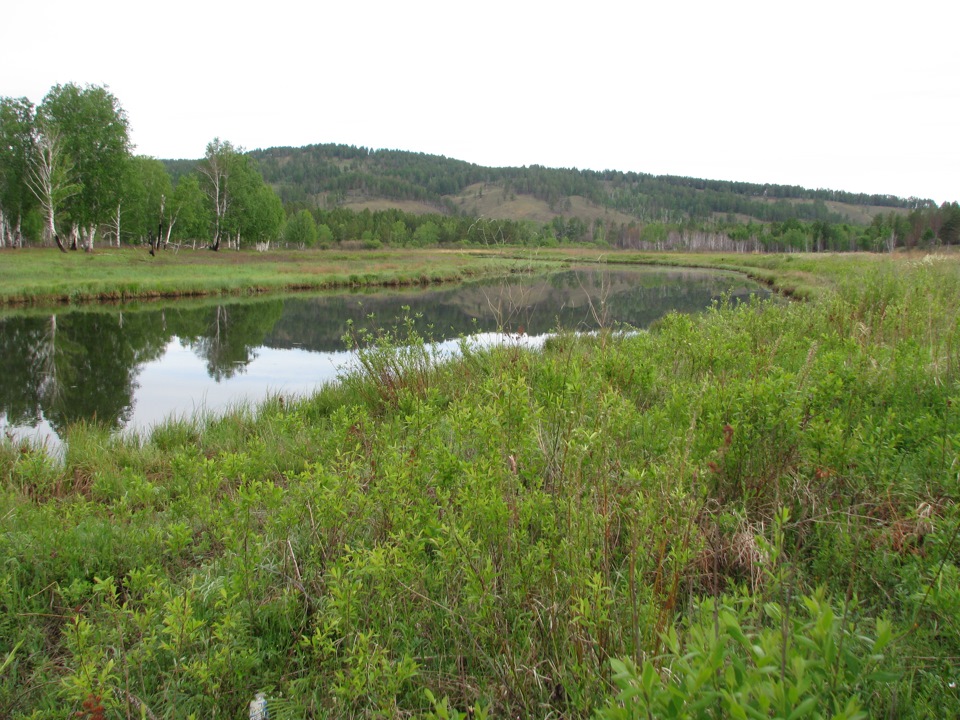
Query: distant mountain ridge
[(332, 175)]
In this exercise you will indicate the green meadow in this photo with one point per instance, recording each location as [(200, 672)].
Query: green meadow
[(750, 513), (40, 276)]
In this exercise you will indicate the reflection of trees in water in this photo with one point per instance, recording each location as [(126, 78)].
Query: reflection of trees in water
[(83, 364), (73, 366), (569, 299), (53, 368), (233, 335), (23, 356)]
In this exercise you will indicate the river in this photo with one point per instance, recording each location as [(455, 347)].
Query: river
[(131, 366)]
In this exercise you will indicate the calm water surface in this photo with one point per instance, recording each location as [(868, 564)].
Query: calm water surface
[(132, 366)]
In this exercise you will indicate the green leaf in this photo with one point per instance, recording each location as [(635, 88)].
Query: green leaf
[(649, 678), (884, 676), (804, 708)]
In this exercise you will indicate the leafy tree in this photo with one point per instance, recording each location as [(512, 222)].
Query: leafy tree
[(949, 232), (426, 234), (598, 233), (576, 228), (188, 215), (324, 235), (50, 177), (256, 211), (301, 229), (94, 132), (215, 170), (796, 239), (16, 149), (147, 192), (268, 215), (243, 205), (654, 233), (399, 233)]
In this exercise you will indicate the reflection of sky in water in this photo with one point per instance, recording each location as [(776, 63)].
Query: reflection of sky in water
[(42, 434), (178, 384)]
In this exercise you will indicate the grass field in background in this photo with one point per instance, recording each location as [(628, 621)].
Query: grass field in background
[(44, 275)]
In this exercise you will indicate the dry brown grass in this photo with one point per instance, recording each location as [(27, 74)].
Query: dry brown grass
[(860, 214), (414, 207), (489, 200)]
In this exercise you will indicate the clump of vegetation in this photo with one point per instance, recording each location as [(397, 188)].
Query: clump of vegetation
[(749, 513)]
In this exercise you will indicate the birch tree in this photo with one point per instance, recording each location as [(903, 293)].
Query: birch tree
[(188, 210), (215, 169), (93, 131), (49, 177), (256, 212), (146, 194), (243, 205), (16, 150)]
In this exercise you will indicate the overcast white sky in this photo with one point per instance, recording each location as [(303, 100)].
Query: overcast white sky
[(850, 95)]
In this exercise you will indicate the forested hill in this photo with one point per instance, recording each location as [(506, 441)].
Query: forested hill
[(332, 175)]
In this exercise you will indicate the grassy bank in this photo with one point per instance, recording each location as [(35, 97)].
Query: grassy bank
[(41, 276), (796, 275), (45, 276), (748, 513)]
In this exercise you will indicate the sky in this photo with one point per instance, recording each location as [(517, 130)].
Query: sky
[(847, 94)]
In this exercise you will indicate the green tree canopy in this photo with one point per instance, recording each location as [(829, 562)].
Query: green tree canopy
[(189, 215), (94, 131), (16, 149), (426, 234), (147, 192), (301, 229), (243, 205)]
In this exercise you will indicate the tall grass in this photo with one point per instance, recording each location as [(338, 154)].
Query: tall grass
[(751, 511)]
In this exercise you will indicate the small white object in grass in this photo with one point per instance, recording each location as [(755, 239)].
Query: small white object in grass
[(258, 708)]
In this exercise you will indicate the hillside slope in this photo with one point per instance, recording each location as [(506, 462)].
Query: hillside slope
[(342, 175)]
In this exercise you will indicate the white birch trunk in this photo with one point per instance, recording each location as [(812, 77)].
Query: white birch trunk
[(48, 179), (116, 223), (88, 237), (51, 230), (171, 221), (217, 175), (166, 239)]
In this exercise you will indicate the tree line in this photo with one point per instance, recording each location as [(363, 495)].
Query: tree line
[(327, 227), (68, 176)]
